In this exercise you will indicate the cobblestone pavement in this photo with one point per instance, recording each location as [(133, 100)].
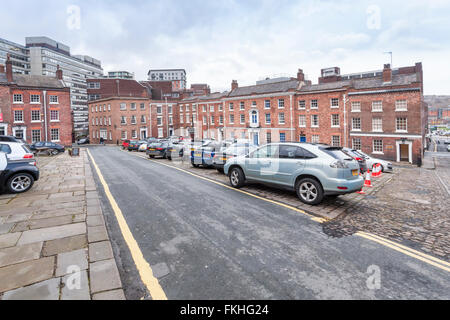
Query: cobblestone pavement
[(53, 240), (409, 206)]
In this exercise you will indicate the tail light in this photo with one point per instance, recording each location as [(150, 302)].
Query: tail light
[(33, 163), (159, 149), (28, 156), (358, 159)]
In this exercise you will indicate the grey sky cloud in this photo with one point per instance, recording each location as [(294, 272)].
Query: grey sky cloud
[(217, 41)]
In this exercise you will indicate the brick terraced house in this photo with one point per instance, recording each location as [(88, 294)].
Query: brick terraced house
[(35, 108), (380, 112)]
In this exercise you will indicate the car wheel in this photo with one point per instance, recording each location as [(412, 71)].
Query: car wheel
[(169, 158), (20, 182), (237, 178), (220, 170), (382, 168), (309, 191), (151, 157), (195, 165)]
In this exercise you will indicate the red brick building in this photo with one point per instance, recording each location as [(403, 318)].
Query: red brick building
[(119, 109), (381, 112), (35, 108)]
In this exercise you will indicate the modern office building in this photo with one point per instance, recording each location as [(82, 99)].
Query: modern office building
[(19, 56), (120, 75), (46, 55), (176, 76)]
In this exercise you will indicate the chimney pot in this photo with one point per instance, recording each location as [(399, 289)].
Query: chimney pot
[(300, 75), (9, 72), (59, 73), (234, 85), (387, 73)]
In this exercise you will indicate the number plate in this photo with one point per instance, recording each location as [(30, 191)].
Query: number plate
[(152, 149), (355, 172)]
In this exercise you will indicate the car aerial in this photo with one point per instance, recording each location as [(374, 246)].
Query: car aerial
[(355, 155), (16, 150), (17, 176), (234, 150), (386, 166), (158, 149), (52, 147), (203, 155), (312, 170)]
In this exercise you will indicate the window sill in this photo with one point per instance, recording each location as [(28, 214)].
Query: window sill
[(401, 131), (54, 103), (401, 110), (35, 121), (54, 120), (356, 130), (19, 122), (377, 110), (377, 152), (314, 126), (18, 102), (355, 111), (336, 107), (35, 103)]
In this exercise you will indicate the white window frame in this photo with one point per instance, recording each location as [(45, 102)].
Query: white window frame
[(280, 103), (53, 102), (312, 121), (279, 118), (242, 105), (333, 125), (34, 112), (35, 102), (316, 106), (32, 135), (353, 124), (18, 101), (401, 105), (379, 126), (302, 124), (242, 115), (377, 149), (377, 106), (301, 104), (333, 144), (356, 106), (270, 118), (355, 145), (230, 117), (51, 135), (332, 105), (19, 121), (53, 112), (396, 124)]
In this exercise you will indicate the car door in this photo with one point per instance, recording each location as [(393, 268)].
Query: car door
[(262, 164), (290, 162)]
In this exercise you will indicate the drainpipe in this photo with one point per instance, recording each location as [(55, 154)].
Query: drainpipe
[(207, 119), (292, 128), (345, 121), (45, 115)]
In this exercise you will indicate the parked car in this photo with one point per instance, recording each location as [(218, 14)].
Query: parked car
[(17, 176), (9, 139), (16, 150), (203, 155), (83, 141), (448, 148), (312, 170), (125, 144), (386, 166), (355, 155), (158, 149), (134, 145), (52, 147), (143, 147), (234, 150)]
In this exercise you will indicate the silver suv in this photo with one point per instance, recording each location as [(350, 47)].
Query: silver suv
[(312, 170)]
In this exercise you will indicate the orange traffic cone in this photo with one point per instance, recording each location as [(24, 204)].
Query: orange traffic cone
[(368, 182), (361, 191), (374, 171), (379, 170)]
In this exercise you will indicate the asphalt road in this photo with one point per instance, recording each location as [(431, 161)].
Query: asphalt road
[(221, 244), (444, 141)]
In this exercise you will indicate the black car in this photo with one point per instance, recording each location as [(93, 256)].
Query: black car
[(45, 145), (17, 176), (355, 155), (9, 139), (158, 149), (134, 145), (83, 141)]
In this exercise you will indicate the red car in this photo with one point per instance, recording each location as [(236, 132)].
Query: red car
[(125, 144)]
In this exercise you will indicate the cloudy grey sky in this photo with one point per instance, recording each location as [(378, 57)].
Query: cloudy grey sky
[(220, 40)]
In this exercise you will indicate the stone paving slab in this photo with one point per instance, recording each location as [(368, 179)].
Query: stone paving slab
[(14, 255), (45, 290), (104, 276), (44, 248), (109, 295), (26, 273), (52, 233)]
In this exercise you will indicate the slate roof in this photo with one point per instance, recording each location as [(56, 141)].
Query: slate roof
[(282, 86), (25, 80), (397, 80)]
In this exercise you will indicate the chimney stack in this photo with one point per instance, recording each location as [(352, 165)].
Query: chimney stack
[(2, 68), (387, 73), (59, 73), (234, 85), (9, 72), (300, 75)]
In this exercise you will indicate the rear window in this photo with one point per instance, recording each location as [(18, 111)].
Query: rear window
[(26, 149), (5, 148), (155, 144), (336, 153)]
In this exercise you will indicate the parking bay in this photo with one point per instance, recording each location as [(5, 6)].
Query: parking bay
[(218, 243)]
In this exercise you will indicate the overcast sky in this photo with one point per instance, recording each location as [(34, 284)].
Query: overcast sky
[(220, 40)]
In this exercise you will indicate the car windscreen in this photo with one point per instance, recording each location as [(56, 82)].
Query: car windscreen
[(155, 144), (336, 153)]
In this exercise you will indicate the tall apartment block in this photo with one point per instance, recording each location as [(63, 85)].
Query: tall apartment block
[(19, 56), (176, 76), (46, 55), (120, 75)]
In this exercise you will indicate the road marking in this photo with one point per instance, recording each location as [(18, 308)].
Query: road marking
[(408, 252), (143, 267), (369, 236)]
